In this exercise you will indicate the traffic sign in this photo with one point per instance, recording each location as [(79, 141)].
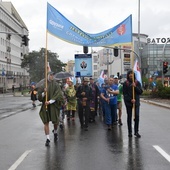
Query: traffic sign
[(3, 72), (155, 74)]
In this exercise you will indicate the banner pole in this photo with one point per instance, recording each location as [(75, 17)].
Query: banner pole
[(133, 80), (46, 67)]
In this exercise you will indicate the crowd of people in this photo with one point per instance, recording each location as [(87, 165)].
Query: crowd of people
[(89, 100)]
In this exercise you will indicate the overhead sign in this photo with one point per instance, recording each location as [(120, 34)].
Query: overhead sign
[(83, 65), (158, 40), (126, 60)]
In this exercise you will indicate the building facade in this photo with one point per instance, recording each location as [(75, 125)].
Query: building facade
[(70, 66), (12, 50), (150, 56)]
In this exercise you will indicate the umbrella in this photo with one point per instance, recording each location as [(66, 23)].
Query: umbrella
[(41, 83), (62, 75)]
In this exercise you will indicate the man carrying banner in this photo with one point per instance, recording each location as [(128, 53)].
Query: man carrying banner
[(50, 108), (132, 101)]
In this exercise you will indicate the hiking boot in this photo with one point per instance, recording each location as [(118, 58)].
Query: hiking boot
[(120, 122), (61, 126), (129, 135), (137, 135), (47, 143), (55, 137), (109, 127)]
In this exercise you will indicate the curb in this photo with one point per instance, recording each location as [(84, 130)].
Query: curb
[(155, 103)]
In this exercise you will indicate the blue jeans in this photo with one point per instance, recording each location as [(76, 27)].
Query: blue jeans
[(108, 117), (113, 112)]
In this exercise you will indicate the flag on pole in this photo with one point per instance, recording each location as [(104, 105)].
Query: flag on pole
[(48, 67), (137, 71), (101, 78)]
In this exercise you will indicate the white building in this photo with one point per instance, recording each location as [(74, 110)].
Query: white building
[(123, 62), (12, 28)]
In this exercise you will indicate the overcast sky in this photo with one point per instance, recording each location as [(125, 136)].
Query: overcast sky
[(92, 16)]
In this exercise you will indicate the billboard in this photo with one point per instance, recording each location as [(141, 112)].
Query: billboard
[(83, 65)]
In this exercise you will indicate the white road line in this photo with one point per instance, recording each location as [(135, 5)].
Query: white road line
[(162, 152), (21, 158)]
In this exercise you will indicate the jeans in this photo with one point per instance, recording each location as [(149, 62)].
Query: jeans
[(129, 119), (113, 112), (108, 117)]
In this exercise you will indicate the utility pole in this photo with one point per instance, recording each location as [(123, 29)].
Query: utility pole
[(163, 59), (108, 54)]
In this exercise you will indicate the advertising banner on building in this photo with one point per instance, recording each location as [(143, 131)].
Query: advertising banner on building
[(83, 65)]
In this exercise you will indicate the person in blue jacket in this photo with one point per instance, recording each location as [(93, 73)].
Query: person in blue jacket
[(108, 95)]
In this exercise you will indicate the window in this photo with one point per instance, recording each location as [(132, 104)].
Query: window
[(95, 67), (95, 59)]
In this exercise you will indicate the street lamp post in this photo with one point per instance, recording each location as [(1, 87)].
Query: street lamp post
[(130, 50), (163, 58), (108, 62)]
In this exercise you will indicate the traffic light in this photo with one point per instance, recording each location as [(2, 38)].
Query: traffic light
[(85, 49), (116, 53), (118, 74), (165, 67), (25, 40)]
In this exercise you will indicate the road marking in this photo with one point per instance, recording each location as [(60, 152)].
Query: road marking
[(21, 158), (162, 152)]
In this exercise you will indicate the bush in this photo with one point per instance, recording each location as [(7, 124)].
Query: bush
[(25, 91), (146, 93), (161, 92)]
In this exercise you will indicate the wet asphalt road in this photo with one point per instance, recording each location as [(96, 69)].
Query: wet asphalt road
[(96, 149)]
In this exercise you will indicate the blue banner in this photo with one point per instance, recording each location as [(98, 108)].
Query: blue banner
[(83, 65), (62, 28)]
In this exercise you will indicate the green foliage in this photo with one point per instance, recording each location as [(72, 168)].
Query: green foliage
[(34, 63), (144, 79), (160, 91), (146, 93)]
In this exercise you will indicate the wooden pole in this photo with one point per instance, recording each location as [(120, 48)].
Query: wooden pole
[(133, 89), (46, 67)]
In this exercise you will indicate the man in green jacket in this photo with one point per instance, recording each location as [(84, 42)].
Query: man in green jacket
[(119, 99), (50, 109)]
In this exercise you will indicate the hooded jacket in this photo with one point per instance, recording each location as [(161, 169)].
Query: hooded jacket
[(128, 91)]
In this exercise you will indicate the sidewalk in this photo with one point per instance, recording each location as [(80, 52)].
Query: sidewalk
[(159, 102), (10, 104)]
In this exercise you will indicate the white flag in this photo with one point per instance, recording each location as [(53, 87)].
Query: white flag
[(137, 71), (48, 67)]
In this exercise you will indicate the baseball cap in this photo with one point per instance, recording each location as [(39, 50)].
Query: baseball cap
[(86, 79), (115, 77)]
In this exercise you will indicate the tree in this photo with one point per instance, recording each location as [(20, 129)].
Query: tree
[(34, 63)]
